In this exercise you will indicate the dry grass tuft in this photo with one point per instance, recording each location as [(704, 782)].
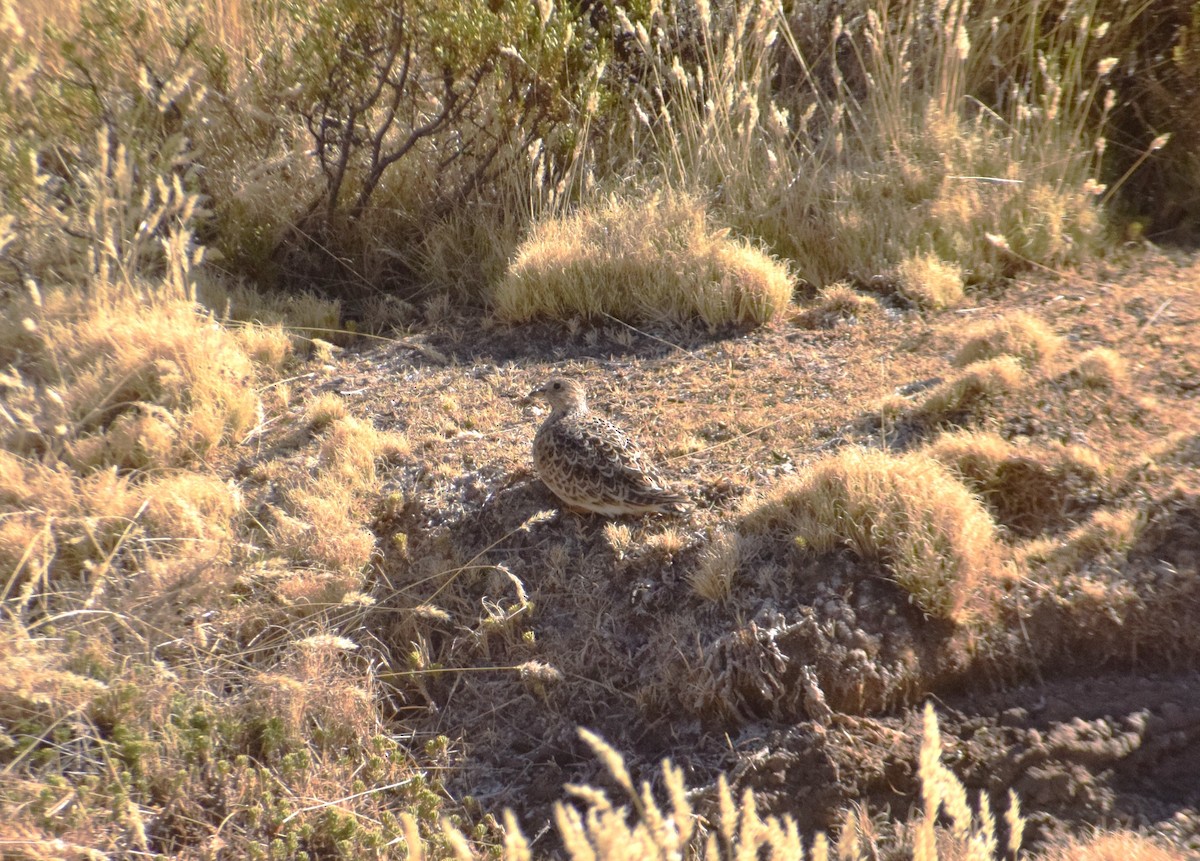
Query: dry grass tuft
[(130, 385), (713, 578), (61, 531), (37, 681), (1106, 531), (323, 514), (270, 347), (1100, 368), (302, 313), (658, 259), (972, 388), (973, 455), (619, 537), (1028, 490), (317, 527), (968, 833), (929, 281), (1178, 448), (191, 507), (324, 410), (314, 692), (351, 448), (186, 670), (667, 543), (836, 303), (1016, 334), (908, 512), (1111, 846)]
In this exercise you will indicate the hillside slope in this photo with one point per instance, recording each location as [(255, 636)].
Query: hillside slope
[(727, 641)]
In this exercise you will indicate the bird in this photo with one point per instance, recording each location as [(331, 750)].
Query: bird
[(590, 463)]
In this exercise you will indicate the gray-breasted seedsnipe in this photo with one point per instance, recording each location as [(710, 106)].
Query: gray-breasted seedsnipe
[(590, 463)]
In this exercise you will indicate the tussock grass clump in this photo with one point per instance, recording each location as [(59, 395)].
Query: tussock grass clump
[(1100, 368), (269, 347), (59, 529), (930, 282), (58, 526), (303, 313), (189, 507), (637, 260), (1106, 531), (1179, 448), (713, 578), (37, 680), (323, 514), (1015, 334), (847, 178), (1028, 490), (351, 448), (835, 303), (130, 384), (973, 455), (314, 692), (324, 410), (975, 386), (908, 512)]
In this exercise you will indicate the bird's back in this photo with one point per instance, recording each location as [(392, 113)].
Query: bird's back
[(592, 464)]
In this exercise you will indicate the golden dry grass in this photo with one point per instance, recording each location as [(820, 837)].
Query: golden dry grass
[(178, 558), (1106, 531), (836, 303), (130, 385), (930, 282), (657, 259), (282, 560), (1028, 488), (972, 388), (1016, 334), (1100, 368), (188, 562), (714, 575), (1112, 846), (321, 518), (269, 347), (671, 828), (907, 512), (324, 409)]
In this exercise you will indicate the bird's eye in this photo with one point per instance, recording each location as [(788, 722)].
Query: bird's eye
[(557, 386)]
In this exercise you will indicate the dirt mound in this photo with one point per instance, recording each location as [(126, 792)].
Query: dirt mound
[(1111, 750)]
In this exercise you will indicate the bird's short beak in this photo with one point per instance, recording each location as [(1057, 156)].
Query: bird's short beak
[(536, 394)]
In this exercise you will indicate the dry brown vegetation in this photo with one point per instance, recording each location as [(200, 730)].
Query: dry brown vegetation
[(277, 581), (642, 260), (1017, 334), (933, 535)]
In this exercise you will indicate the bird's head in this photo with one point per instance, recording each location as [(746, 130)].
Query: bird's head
[(562, 394)]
